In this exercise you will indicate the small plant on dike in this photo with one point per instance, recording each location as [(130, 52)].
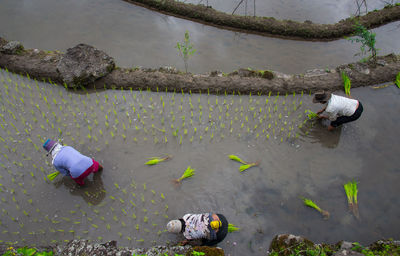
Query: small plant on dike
[(310, 203), (346, 82), (189, 172), (351, 192), (367, 40), (185, 49), (156, 160)]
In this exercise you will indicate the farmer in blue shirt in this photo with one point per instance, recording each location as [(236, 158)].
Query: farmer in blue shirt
[(70, 162)]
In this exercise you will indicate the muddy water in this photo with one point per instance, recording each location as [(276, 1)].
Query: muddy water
[(136, 36), (132, 202), (316, 11)]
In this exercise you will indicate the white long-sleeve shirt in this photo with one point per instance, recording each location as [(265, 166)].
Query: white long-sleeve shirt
[(340, 106)]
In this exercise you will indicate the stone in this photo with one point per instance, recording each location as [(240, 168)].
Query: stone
[(282, 243), (12, 47), (347, 253), (344, 245), (83, 64)]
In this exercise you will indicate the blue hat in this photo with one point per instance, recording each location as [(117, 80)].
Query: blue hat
[(49, 145)]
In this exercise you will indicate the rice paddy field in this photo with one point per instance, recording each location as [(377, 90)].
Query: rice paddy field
[(131, 202)]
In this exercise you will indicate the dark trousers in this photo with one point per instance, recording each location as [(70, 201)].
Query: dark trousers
[(345, 119)]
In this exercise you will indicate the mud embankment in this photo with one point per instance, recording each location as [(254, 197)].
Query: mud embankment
[(44, 66), (268, 26)]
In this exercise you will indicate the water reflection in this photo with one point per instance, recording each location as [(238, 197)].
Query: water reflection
[(136, 36), (92, 192), (320, 134)]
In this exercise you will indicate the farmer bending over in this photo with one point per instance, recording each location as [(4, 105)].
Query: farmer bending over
[(200, 229), (339, 109), (70, 162)]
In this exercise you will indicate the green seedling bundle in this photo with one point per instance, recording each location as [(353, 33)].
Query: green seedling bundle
[(311, 204), (346, 83), (232, 228), (351, 191), (245, 165), (189, 172)]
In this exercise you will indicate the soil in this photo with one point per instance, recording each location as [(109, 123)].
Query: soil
[(268, 26), (42, 65)]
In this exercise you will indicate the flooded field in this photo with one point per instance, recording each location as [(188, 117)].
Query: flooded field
[(132, 202), (135, 36), (323, 12)]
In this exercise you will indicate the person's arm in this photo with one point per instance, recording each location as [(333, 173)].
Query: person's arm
[(321, 111), (62, 170)]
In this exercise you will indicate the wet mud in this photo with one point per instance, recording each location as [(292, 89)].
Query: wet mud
[(268, 26)]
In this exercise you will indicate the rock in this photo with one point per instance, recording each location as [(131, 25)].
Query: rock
[(285, 242), (347, 253), (381, 62), (168, 69), (13, 47), (344, 245), (83, 64)]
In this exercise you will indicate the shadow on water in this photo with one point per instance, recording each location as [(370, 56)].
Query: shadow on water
[(92, 192), (320, 134)]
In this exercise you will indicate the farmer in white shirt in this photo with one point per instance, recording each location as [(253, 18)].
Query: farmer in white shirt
[(339, 109)]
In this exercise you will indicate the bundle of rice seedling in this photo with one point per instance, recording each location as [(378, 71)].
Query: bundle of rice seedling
[(310, 114), (347, 83), (351, 192), (310, 203), (156, 160), (397, 82), (53, 175), (189, 172), (232, 228), (245, 165)]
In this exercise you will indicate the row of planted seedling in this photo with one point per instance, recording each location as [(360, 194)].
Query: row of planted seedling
[(263, 122), (121, 210)]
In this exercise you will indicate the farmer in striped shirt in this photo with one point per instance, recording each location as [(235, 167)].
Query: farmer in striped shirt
[(200, 229), (70, 162)]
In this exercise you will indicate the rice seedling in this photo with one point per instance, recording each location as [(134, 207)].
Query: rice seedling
[(247, 166), (236, 158), (232, 228), (311, 115), (397, 81), (189, 172), (310, 203), (351, 193), (347, 83), (53, 175)]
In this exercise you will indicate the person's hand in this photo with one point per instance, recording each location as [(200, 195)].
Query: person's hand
[(320, 112), (322, 116)]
